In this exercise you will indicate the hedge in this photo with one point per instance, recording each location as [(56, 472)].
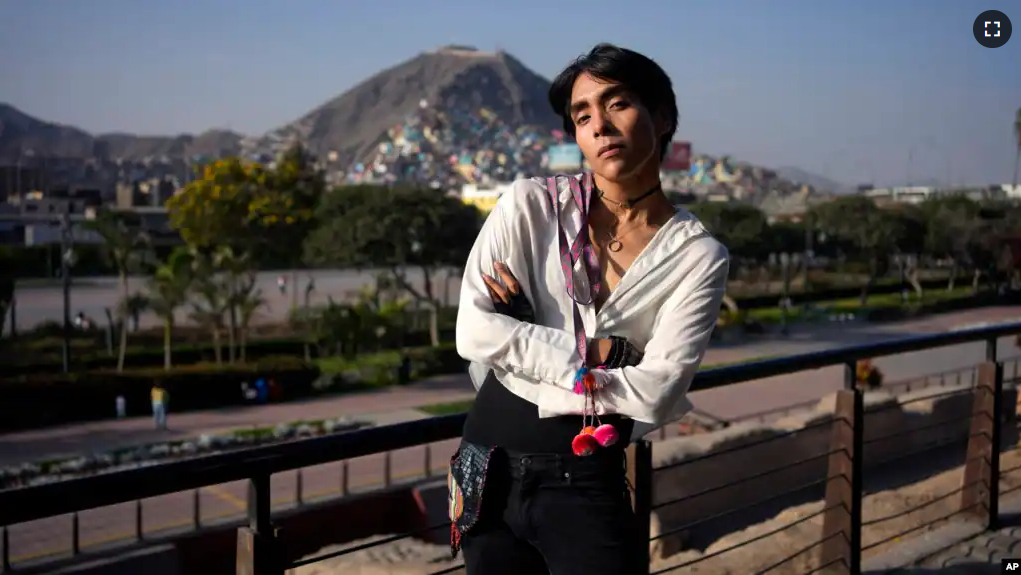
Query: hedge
[(46, 399), (383, 369), (24, 360)]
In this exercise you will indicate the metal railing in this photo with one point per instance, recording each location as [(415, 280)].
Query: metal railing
[(260, 545)]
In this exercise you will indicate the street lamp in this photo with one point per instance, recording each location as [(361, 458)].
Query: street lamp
[(67, 258), (787, 260)]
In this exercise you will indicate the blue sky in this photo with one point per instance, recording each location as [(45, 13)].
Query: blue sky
[(845, 89)]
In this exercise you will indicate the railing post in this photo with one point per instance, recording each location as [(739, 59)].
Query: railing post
[(841, 528), (196, 508), (299, 488), (5, 553), (75, 534), (981, 495), (344, 478), (428, 463), (639, 471), (139, 520), (257, 552), (387, 469)]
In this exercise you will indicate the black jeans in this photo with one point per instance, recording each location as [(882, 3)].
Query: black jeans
[(553, 514)]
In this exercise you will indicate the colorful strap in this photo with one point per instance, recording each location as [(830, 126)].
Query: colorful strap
[(580, 249)]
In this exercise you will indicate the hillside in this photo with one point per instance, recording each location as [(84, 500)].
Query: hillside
[(348, 128), (443, 118), (816, 181), (20, 132)]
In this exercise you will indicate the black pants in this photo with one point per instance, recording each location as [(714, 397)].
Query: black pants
[(553, 514)]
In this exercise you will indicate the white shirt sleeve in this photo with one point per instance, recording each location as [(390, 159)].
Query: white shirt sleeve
[(538, 352), (650, 391)]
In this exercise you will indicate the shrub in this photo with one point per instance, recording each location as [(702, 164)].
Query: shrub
[(33, 400), (49, 399), (382, 369)]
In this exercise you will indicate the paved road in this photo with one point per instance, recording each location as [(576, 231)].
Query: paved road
[(101, 526), (960, 548), (92, 295)]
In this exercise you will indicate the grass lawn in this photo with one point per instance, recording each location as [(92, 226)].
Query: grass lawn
[(853, 305)]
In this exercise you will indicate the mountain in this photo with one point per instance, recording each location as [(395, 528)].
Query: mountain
[(350, 126), (20, 133), (347, 127), (816, 181)]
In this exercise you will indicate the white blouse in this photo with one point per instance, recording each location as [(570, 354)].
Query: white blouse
[(666, 305)]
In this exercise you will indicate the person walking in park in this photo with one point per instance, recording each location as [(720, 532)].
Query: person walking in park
[(587, 304), (160, 399)]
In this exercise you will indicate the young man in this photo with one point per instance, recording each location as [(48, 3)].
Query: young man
[(159, 398), (522, 501)]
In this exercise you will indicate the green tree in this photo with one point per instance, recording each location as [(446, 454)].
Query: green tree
[(911, 224), (220, 207), (400, 229), (738, 226), (950, 225), (167, 292), (286, 208), (872, 233), (126, 247)]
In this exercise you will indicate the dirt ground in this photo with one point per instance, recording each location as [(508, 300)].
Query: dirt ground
[(893, 513)]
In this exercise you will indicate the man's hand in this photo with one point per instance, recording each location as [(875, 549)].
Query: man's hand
[(600, 350), (508, 299)]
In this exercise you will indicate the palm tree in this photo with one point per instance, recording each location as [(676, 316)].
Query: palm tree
[(1017, 156), (212, 299), (167, 291), (125, 246), (233, 265), (132, 307), (208, 311), (247, 300)]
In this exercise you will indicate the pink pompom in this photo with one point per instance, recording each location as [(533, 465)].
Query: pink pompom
[(584, 444), (606, 435)]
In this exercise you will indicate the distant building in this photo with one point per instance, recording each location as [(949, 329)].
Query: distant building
[(19, 180), (900, 194), (918, 194), (483, 198), (146, 193)]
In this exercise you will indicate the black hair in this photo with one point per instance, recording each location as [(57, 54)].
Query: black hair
[(639, 73)]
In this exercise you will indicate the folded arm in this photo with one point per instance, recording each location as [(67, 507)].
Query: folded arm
[(649, 391), (483, 335)]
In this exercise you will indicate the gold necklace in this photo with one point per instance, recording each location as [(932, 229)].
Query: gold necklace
[(615, 245)]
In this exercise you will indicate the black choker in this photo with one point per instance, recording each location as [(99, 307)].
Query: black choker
[(628, 204)]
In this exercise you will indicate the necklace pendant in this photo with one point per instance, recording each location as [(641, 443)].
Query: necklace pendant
[(614, 245)]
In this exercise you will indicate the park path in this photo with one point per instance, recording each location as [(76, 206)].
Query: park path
[(725, 403)]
